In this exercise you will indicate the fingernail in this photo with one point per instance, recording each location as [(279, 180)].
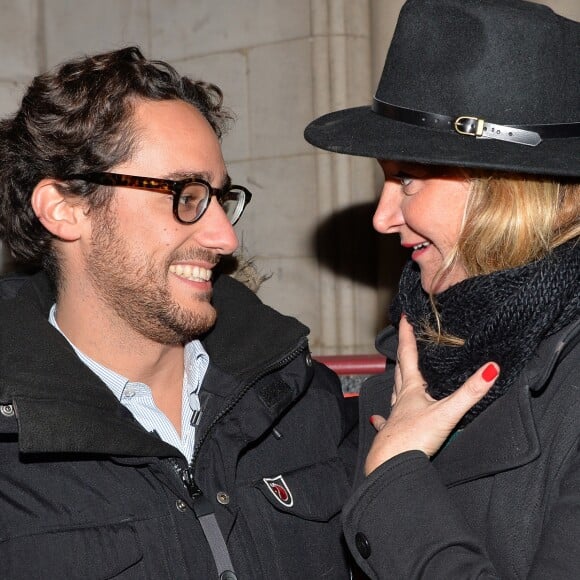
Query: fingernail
[(489, 373), (372, 420)]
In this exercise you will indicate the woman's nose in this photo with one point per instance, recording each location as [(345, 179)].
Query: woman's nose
[(388, 216)]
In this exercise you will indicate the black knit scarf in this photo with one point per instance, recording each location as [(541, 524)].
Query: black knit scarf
[(502, 317)]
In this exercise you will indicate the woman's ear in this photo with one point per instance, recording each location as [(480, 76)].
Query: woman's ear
[(62, 215)]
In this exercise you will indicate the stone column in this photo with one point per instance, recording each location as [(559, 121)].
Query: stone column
[(341, 65)]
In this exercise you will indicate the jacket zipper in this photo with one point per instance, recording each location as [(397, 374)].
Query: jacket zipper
[(205, 515), (186, 474), (186, 477)]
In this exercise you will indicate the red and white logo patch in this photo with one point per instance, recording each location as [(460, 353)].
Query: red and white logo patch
[(279, 490)]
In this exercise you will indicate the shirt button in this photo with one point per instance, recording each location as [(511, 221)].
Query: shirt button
[(129, 393), (7, 410), (362, 545), (181, 505), (223, 497)]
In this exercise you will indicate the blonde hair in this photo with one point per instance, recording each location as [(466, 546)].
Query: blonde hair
[(513, 220), (510, 220)]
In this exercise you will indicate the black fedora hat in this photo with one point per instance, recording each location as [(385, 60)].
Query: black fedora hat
[(492, 84)]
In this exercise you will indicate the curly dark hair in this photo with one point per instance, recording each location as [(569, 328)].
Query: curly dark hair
[(78, 119)]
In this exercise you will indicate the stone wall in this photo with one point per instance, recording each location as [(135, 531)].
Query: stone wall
[(280, 63)]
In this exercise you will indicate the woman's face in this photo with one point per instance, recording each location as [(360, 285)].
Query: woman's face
[(425, 206)]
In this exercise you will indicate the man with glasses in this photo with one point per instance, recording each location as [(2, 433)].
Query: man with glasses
[(141, 434)]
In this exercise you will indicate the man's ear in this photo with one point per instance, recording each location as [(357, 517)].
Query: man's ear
[(62, 215)]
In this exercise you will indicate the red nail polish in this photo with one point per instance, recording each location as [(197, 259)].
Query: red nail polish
[(489, 373), (371, 420)]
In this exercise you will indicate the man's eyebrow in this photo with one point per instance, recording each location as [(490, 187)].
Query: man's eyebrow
[(206, 176)]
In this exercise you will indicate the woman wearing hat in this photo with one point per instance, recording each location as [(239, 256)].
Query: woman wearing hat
[(470, 466)]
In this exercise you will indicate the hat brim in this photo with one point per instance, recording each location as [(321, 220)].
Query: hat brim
[(362, 132)]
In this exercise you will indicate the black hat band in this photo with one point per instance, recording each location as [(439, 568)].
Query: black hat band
[(530, 135)]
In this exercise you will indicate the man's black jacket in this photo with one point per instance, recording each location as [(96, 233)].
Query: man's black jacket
[(86, 492)]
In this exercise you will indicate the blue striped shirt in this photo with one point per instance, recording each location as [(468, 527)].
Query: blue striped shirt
[(138, 399)]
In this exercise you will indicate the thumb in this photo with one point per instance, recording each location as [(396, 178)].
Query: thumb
[(472, 391), (377, 421)]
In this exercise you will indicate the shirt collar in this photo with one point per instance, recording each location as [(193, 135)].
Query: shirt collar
[(196, 362)]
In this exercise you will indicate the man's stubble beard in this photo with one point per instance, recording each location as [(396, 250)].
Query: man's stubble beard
[(137, 290)]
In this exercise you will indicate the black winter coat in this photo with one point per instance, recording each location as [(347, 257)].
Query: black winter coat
[(501, 500), (86, 492)]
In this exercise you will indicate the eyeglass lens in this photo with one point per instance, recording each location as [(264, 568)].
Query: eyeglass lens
[(195, 198), (233, 204)]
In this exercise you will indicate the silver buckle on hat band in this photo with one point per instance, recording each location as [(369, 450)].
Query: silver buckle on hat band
[(478, 128)]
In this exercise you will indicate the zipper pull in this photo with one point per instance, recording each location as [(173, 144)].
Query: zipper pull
[(201, 505), (192, 488), (205, 515)]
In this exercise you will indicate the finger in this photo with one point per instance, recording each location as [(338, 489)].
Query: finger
[(407, 356), (471, 392), (407, 374), (377, 421), (398, 380)]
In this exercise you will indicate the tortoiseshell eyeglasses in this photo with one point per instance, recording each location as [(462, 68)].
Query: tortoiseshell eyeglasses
[(191, 197)]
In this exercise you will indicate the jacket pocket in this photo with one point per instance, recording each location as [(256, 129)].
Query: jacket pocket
[(295, 515), (84, 552), (315, 492)]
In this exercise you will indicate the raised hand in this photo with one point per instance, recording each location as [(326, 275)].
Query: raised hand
[(417, 421)]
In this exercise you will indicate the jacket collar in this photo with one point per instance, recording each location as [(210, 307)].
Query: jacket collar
[(248, 333), (504, 436), (62, 407)]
